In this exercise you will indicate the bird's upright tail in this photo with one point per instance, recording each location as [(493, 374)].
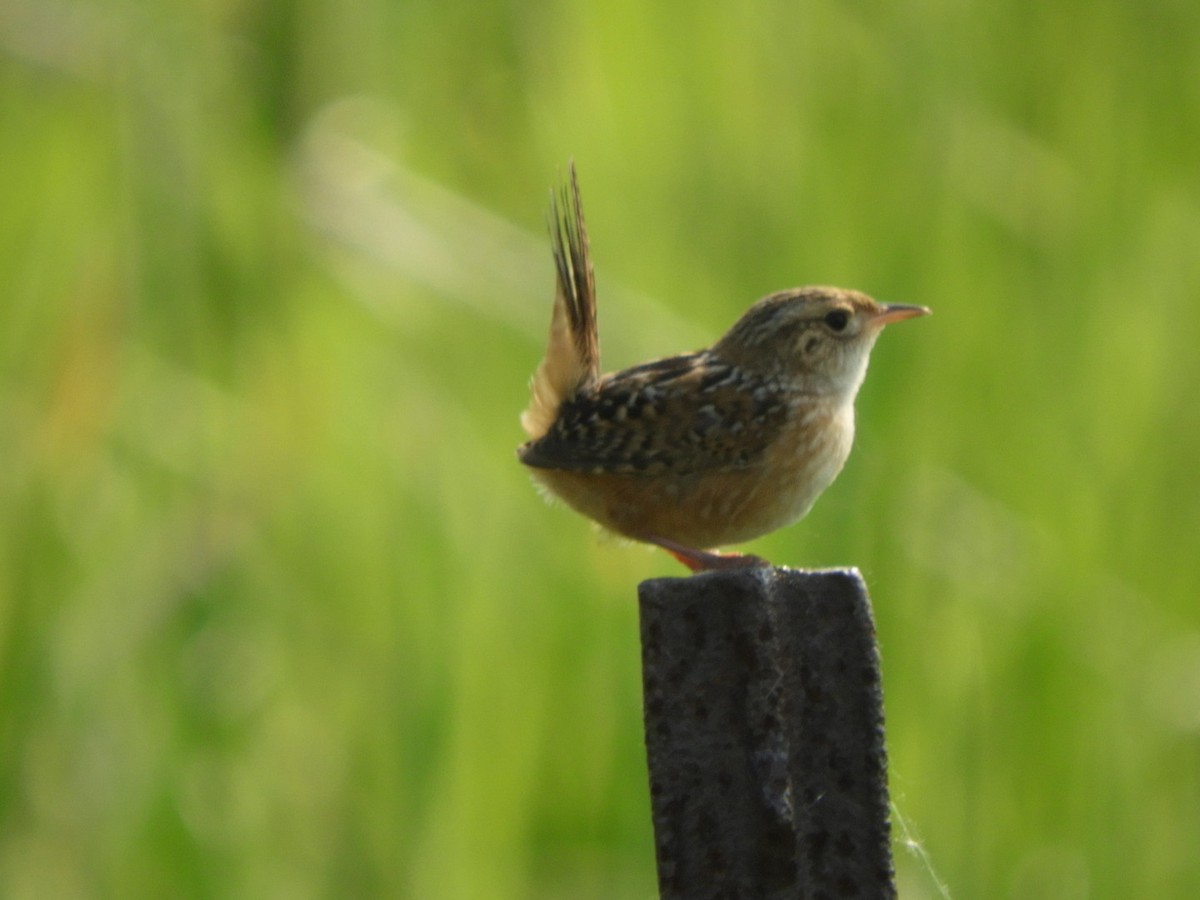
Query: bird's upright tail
[(572, 358)]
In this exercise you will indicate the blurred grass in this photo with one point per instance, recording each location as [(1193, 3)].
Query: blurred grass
[(280, 615)]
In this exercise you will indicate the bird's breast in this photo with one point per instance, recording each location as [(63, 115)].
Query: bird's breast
[(801, 463)]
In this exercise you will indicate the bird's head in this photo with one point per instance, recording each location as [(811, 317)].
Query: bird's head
[(818, 338)]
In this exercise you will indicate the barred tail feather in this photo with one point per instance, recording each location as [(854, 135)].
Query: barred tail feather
[(572, 358)]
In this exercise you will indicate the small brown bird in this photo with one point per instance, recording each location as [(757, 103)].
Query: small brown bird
[(705, 449)]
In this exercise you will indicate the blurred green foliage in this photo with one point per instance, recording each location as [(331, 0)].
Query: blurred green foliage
[(280, 616)]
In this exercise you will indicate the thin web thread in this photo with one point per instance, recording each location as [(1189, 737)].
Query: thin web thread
[(912, 843)]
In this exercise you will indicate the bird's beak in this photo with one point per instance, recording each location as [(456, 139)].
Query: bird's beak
[(894, 312)]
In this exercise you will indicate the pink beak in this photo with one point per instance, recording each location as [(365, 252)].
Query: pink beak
[(894, 312)]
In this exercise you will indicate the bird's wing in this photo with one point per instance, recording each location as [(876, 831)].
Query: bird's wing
[(681, 415)]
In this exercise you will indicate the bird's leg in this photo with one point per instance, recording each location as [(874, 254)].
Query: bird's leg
[(707, 560)]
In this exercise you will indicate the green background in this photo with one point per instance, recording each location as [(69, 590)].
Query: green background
[(280, 615)]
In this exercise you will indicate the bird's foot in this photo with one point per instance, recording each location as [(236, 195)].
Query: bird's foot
[(708, 560)]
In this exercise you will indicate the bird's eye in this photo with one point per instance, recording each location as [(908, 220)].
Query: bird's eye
[(837, 320)]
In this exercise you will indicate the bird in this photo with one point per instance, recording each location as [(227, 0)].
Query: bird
[(706, 449)]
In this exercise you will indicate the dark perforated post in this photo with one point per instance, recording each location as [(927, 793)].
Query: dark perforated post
[(764, 734)]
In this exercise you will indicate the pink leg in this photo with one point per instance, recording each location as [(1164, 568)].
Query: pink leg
[(706, 560)]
